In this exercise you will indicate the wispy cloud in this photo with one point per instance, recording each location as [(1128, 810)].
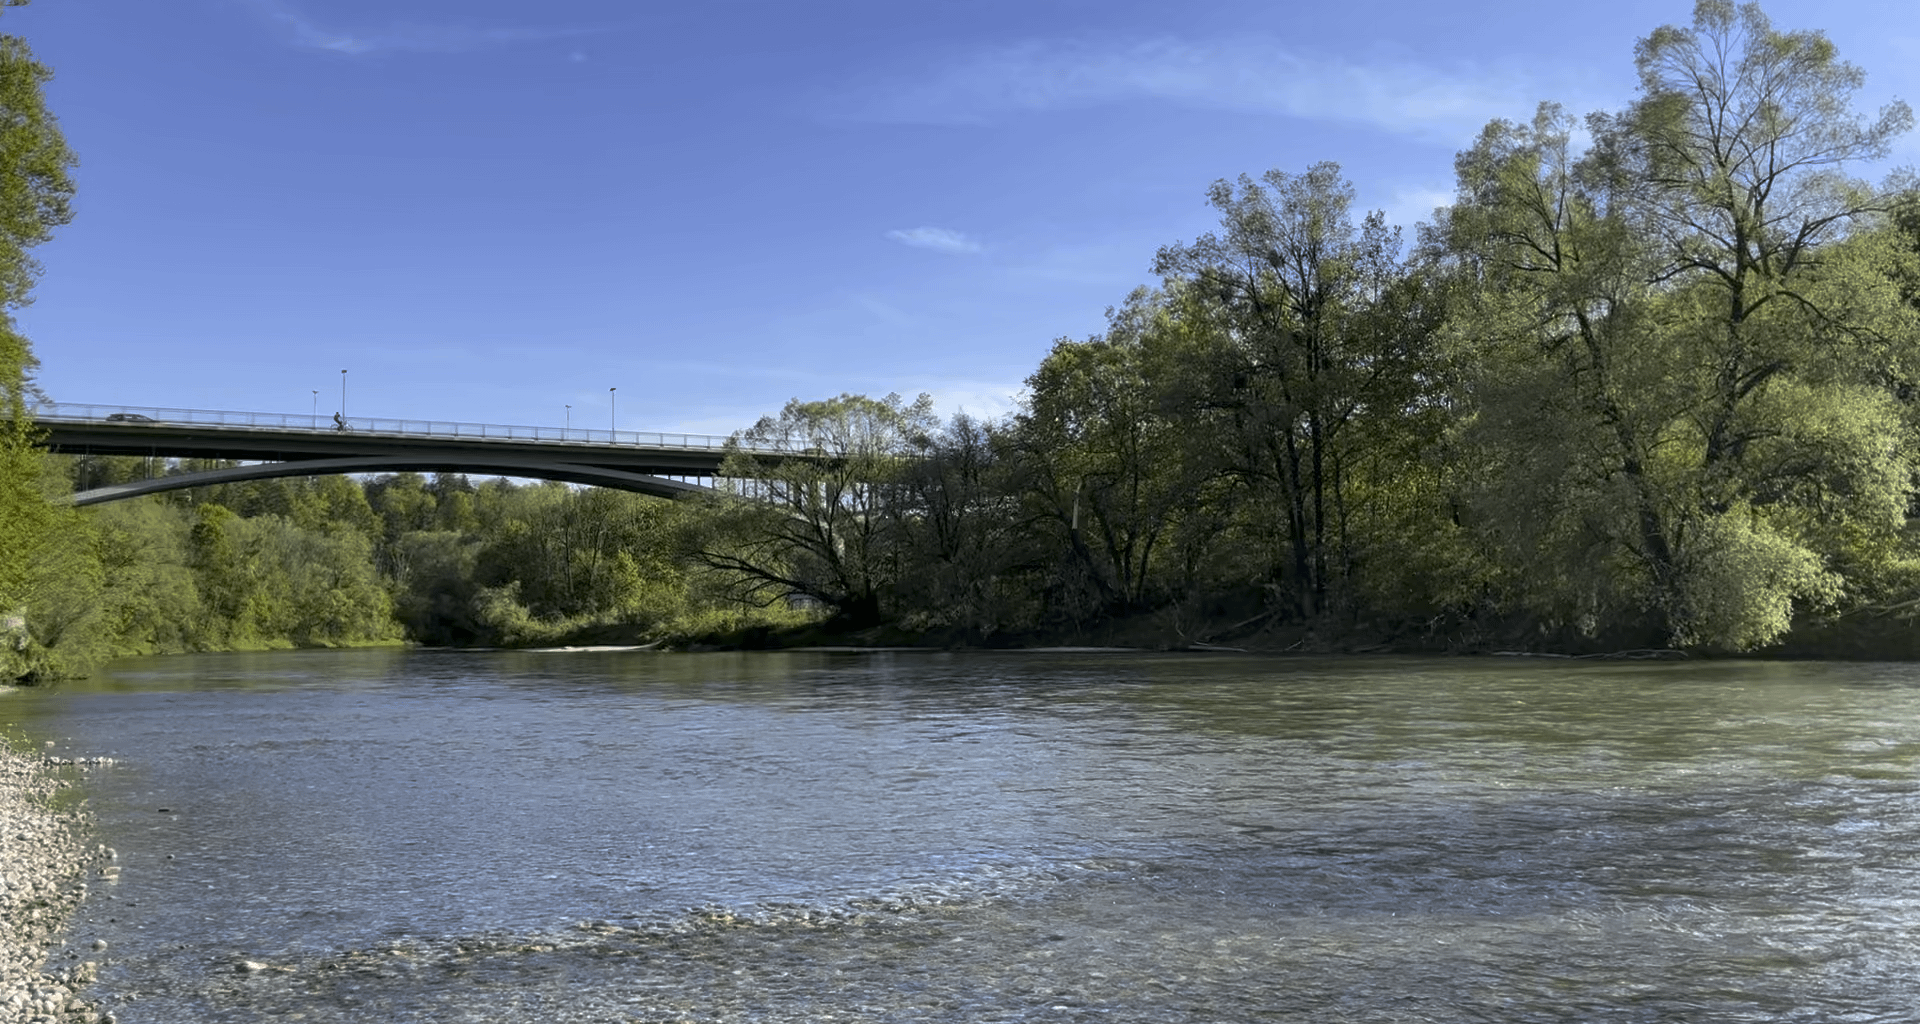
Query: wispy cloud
[(305, 33), (979, 399), (1396, 94), (937, 239), (1413, 205)]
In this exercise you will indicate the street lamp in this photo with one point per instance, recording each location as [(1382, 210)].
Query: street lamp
[(314, 420), (610, 409), (569, 417), (343, 394)]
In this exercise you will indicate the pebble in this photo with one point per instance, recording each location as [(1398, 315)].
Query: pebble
[(43, 860)]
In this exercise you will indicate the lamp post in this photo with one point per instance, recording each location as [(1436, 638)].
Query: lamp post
[(314, 420), (610, 409), (569, 417), (343, 394)]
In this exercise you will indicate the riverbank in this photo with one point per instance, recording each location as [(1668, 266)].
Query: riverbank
[(1151, 631), (1873, 636), (44, 860)]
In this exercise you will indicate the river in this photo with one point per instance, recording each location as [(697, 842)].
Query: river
[(996, 837)]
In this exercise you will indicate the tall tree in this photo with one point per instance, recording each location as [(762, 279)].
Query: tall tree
[(1105, 458), (37, 555), (825, 481), (36, 191), (964, 534), (1292, 279), (1681, 338)]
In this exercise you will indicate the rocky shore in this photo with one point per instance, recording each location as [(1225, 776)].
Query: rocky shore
[(44, 863)]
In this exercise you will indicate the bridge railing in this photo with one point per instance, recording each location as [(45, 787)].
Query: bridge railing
[(323, 423)]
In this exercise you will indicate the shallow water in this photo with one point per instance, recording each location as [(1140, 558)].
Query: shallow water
[(415, 835)]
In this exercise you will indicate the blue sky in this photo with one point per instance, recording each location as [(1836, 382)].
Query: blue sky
[(489, 211)]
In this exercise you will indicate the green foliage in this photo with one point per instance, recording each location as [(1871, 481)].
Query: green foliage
[(1680, 342), (514, 565), (586, 553), (822, 519), (44, 570), (432, 573), (35, 190), (1739, 591), (1306, 350), (149, 601), (967, 544), (1105, 460), (267, 581), (48, 577)]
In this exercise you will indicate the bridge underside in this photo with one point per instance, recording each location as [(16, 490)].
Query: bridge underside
[(495, 465)]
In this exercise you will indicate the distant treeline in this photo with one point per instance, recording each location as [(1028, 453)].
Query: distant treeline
[(1652, 380), (331, 560)]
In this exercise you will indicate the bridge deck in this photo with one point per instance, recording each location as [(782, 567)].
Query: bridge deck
[(283, 445), (275, 437)]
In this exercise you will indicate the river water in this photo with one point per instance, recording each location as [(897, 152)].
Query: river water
[(630, 836)]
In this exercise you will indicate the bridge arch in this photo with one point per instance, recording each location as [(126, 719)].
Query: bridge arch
[(497, 465)]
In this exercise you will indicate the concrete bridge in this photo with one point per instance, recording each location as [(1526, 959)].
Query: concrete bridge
[(278, 445)]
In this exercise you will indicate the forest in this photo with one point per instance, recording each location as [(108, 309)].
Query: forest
[(1649, 383)]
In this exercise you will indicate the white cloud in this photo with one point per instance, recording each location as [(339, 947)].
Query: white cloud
[(986, 400), (937, 239), (306, 34), (982, 400), (1415, 205), (1253, 74)]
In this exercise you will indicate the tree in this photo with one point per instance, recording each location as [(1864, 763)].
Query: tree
[(822, 484), (37, 553), (1681, 340), (1105, 459), (1292, 281), (965, 535), (1733, 158), (35, 195), (583, 553), (268, 582), (147, 595)]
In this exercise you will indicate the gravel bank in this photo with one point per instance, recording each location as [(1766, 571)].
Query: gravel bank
[(44, 863)]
